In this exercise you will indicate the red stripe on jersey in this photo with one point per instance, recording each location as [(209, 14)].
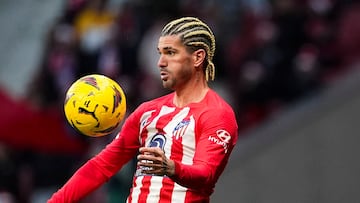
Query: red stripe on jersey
[(166, 190), (129, 199), (177, 150), (145, 188), (167, 184)]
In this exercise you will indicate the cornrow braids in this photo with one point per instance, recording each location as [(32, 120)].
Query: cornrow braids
[(194, 34)]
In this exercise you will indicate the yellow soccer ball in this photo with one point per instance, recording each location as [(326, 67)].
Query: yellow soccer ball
[(95, 105)]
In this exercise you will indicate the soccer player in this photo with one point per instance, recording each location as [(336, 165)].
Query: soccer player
[(182, 140)]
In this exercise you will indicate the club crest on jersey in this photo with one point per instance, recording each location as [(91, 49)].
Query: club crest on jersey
[(180, 129), (222, 138)]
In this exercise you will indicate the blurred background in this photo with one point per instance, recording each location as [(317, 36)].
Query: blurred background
[(289, 68)]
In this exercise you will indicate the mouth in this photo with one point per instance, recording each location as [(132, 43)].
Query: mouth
[(164, 75)]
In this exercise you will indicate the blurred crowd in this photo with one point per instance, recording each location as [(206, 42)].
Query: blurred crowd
[(270, 53)]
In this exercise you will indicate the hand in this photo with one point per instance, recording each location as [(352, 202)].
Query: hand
[(153, 161)]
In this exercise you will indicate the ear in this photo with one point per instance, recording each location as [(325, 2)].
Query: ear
[(199, 57)]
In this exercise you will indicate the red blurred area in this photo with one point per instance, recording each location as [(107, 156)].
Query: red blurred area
[(24, 127)]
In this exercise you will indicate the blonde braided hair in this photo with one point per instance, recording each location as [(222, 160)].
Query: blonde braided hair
[(194, 34)]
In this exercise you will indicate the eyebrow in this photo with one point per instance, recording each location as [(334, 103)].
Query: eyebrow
[(168, 48), (165, 48)]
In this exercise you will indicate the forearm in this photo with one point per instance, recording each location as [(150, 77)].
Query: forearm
[(194, 176)]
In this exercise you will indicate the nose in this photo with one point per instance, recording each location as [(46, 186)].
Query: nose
[(161, 61)]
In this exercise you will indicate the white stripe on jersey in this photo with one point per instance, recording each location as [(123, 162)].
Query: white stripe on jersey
[(188, 142), (136, 190), (151, 128), (187, 135), (144, 121), (180, 192), (154, 190)]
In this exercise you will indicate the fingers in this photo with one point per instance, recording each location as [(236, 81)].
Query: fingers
[(152, 160), (152, 168), (150, 150), (149, 160), (153, 154)]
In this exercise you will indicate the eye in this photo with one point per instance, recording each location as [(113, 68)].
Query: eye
[(167, 51), (170, 52)]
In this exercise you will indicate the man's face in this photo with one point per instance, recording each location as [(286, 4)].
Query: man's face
[(175, 62)]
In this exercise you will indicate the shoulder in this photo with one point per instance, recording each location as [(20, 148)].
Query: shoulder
[(214, 107), (216, 102), (218, 110), (218, 116)]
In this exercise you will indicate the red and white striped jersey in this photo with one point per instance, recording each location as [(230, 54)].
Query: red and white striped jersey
[(198, 137)]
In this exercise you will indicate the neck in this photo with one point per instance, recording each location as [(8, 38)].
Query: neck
[(192, 94)]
